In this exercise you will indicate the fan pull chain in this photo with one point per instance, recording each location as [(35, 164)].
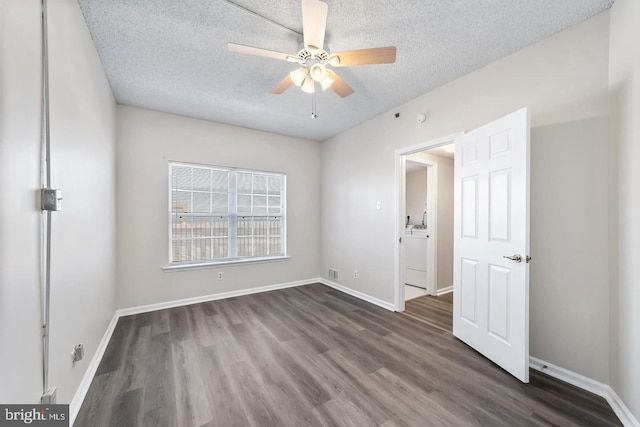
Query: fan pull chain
[(313, 105)]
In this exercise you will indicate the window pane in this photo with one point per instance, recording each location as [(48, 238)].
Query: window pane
[(202, 249), (260, 246), (244, 182), (244, 204), (220, 248), (275, 246), (244, 226), (244, 246), (275, 184), (259, 184), (275, 226), (260, 226), (274, 204), (220, 227), (201, 179), (181, 202), (181, 178), (259, 204), (201, 227), (220, 181), (201, 203), (180, 227), (220, 203), (181, 250)]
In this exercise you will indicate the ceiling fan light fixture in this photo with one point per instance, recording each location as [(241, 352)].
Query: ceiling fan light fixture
[(308, 85), (318, 72), (298, 76)]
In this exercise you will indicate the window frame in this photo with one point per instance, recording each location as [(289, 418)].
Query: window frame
[(232, 218)]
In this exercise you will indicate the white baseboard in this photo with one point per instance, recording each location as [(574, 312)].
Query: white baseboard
[(621, 410), (444, 290), (568, 376), (357, 294), (211, 297), (590, 385), (87, 378)]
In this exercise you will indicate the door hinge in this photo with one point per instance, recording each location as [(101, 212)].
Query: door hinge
[(400, 240)]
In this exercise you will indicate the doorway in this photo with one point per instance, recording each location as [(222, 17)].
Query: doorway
[(427, 248), (424, 248)]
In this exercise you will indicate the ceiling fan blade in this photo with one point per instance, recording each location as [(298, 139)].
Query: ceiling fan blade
[(376, 55), (285, 84), (339, 86), (234, 47), (314, 22)]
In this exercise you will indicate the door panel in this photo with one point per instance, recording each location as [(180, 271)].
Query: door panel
[(499, 287), (468, 293), (470, 207), (491, 221), (499, 204)]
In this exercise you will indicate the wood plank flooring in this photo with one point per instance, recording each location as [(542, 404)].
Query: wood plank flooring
[(436, 311), (312, 356)]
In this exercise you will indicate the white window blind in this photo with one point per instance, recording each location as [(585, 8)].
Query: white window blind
[(220, 214)]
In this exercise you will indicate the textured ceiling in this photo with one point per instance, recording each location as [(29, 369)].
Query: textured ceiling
[(171, 55)]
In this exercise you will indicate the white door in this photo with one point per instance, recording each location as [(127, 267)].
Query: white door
[(491, 222)]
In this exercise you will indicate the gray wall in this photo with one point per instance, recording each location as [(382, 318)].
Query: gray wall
[(624, 81), (147, 141), (82, 166)]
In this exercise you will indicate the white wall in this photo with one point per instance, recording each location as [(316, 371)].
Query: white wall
[(83, 167), (147, 141), (20, 371), (83, 245), (562, 79), (624, 81), (444, 269)]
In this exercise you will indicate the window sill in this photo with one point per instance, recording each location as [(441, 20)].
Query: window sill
[(179, 267)]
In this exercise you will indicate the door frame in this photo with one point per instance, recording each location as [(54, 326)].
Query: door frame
[(400, 216)]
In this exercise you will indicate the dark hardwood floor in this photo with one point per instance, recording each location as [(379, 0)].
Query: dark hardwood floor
[(312, 356), (436, 311)]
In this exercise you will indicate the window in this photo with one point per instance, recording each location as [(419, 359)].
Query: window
[(220, 214)]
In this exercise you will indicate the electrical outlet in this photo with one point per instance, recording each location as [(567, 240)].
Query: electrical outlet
[(49, 397), (77, 353), (355, 274), (220, 275)]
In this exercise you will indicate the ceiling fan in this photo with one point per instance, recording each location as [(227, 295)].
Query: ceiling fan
[(314, 59)]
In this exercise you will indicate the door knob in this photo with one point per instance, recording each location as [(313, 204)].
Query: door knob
[(516, 258)]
